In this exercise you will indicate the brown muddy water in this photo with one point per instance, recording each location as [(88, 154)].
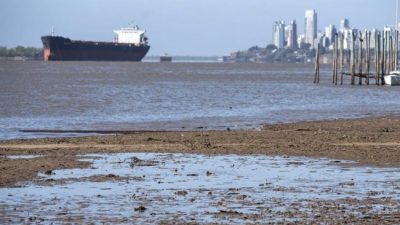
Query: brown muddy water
[(151, 188), (175, 96)]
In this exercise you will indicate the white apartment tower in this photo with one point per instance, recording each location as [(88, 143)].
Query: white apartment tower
[(347, 33), (292, 35), (344, 24), (310, 31), (330, 32), (279, 34)]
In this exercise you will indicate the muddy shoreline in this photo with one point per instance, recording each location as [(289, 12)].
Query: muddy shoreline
[(164, 188), (368, 141)]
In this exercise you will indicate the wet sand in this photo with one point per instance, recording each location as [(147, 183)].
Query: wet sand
[(165, 188), (372, 142), (369, 141)]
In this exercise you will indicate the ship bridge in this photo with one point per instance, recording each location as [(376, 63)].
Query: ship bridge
[(131, 35)]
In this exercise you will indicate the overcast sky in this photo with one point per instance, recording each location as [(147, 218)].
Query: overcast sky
[(180, 27)]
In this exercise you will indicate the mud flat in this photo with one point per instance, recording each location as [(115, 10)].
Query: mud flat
[(343, 171), (166, 188)]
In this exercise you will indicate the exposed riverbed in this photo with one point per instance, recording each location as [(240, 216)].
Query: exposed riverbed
[(152, 187)]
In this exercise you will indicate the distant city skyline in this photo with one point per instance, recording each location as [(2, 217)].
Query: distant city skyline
[(283, 34), (180, 27)]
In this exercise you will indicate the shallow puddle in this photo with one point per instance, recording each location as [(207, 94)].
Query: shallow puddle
[(23, 156), (151, 188)]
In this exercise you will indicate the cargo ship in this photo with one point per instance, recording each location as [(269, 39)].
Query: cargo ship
[(130, 44)]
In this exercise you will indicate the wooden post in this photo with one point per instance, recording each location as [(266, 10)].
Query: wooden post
[(380, 57), (396, 49), (392, 53), (316, 73), (334, 61), (383, 56), (368, 55), (352, 60), (389, 58), (377, 56), (336, 57), (341, 58), (333, 64), (392, 43), (360, 50), (392, 66)]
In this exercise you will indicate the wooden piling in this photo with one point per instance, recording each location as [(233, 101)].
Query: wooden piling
[(333, 64), (341, 58), (393, 52), (390, 52), (336, 58), (396, 49), (334, 61), (383, 56), (368, 55), (316, 73), (377, 56), (352, 58), (360, 56)]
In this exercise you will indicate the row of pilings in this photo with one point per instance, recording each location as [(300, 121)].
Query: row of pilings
[(379, 54)]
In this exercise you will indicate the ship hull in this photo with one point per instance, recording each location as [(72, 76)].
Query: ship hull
[(57, 48)]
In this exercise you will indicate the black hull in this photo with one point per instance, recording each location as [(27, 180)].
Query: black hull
[(63, 49)]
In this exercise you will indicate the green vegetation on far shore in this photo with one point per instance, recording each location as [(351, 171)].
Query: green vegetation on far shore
[(20, 51)]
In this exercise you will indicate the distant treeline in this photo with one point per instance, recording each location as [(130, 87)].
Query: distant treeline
[(20, 51), (184, 58)]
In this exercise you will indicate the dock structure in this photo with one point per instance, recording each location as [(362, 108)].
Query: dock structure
[(376, 51)]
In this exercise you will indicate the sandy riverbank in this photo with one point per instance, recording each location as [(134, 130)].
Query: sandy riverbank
[(371, 141)]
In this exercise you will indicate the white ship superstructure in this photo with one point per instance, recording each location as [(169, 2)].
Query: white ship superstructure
[(130, 35)]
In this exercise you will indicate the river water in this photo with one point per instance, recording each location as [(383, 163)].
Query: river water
[(175, 96)]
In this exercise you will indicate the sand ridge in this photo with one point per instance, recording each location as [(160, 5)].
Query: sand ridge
[(371, 141)]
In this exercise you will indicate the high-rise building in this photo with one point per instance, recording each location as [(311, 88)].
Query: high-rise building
[(279, 34), (310, 30), (292, 35), (347, 33), (300, 40), (344, 24), (330, 32), (322, 40), (287, 27)]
